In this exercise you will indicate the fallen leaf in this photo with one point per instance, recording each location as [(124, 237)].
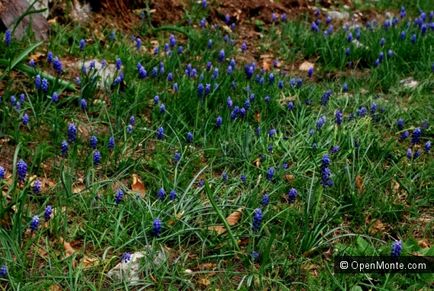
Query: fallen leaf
[(305, 66), (258, 116), (69, 250), (88, 262), (377, 227), (423, 243), (205, 282), (359, 183), (257, 162), (37, 56), (220, 229), (78, 187), (234, 217), (289, 178), (55, 287), (207, 266), (137, 185)]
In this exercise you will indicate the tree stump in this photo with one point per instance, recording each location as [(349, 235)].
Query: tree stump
[(10, 11)]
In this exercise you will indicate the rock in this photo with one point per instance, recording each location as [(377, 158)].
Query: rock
[(130, 271), (338, 15), (409, 83), (305, 66), (41, 4), (106, 73), (10, 11)]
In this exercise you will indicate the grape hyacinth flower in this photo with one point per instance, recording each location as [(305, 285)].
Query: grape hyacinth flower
[(292, 195), (49, 57), (243, 179), (413, 38), (93, 141), (334, 149), (96, 158), (427, 147), (345, 87), (126, 257), (270, 173), (404, 135), (161, 194), (48, 212), (37, 185), (417, 154), (21, 170), (82, 44), (326, 180), (156, 227), (44, 85), (83, 104), (189, 137), (257, 219), (138, 43), (3, 271), (172, 195), (320, 122), (265, 199), (221, 56), (162, 108), (34, 224), (219, 122), (255, 256), (400, 123), (38, 82), (339, 116), (8, 37), (396, 248), (118, 64), (409, 153), (57, 65), (64, 148), (272, 132), (55, 97), (118, 196), (177, 156), (72, 132), (310, 72), (2, 173), (111, 143), (25, 119), (415, 137), (160, 133)]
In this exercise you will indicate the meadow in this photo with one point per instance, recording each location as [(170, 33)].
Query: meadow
[(228, 161)]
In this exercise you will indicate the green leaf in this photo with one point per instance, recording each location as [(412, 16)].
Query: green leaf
[(23, 55)]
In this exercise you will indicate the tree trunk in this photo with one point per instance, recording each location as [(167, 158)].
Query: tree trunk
[(10, 11)]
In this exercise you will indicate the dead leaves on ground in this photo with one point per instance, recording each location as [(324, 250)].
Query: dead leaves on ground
[(137, 186), (85, 261), (232, 220), (359, 184)]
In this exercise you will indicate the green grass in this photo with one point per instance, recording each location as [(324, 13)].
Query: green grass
[(297, 241)]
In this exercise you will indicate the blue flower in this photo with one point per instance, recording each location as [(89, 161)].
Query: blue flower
[(177, 156), (400, 123), (272, 132), (161, 194), (413, 38), (55, 97), (126, 257), (189, 136), (48, 212), (72, 132), (225, 176), (325, 97), (83, 104), (160, 133), (221, 55), (118, 196), (265, 199), (111, 143), (64, 148), (129, 129), (310, 72), (404, 135), (34, 224), (37, 185), (8, 37), (270, 173), (156, 227), (335, 149), (255, 256), (57, 65), (172, 195), (396, 248), (49, 57), (93, 141), (118, 64), (218, 122), (257, 219), (21, 170), (320, 122), (427, 146), (416, 135), (243, 46), (243, 179), (82, 44), (292, 195), (25, 119), (2, 173), (38, 82), (3, 271), (96, 158), (138, 43), (44, 85)]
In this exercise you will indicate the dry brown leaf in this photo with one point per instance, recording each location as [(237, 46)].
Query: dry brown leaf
[(289, 178), (37, 56), (207, 266), (258, 116), (55, 287), (137, 185), (69, 250), (78, 187), (220, 229), (359, 183), (423, 243), (305, 66), (234, 217), (88, 262), (257, 162), (205, 282), (377, 227), (395, 187)]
